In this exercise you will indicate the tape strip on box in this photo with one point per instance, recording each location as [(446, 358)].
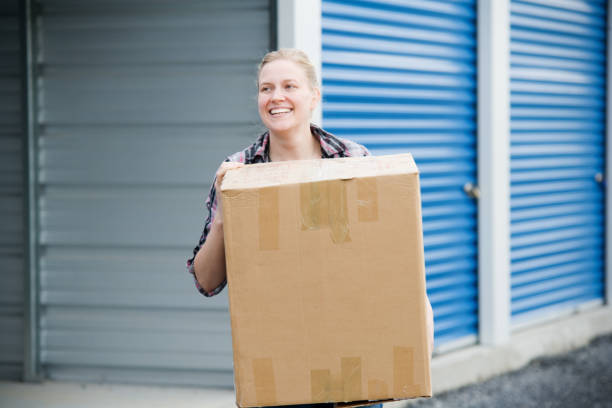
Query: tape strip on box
[(338, 212), (403, 372), (324, 204), (377, 390), (346, 387), (313, 206), (268, 218), (320, 386), (351, 378), (367, 199), (265, 384)]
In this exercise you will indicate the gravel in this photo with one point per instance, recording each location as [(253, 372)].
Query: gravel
[(580, 378)]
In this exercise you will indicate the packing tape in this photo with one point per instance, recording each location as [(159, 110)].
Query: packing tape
[(351, 378), (324, 204), (320, 386), (367, 199), (338, 212), (325, 388), (268, 218), (403, 372), (377, 390), (265, 385), (313, 205)]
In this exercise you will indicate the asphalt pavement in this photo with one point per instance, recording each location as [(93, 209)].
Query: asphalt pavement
[(581, 378)]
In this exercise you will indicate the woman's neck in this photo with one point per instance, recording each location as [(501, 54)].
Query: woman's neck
[(297, 145)]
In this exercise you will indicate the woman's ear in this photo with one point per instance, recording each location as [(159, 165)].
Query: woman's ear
[(316, 98)]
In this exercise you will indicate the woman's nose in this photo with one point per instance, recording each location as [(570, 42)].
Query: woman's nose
[(278, 94)]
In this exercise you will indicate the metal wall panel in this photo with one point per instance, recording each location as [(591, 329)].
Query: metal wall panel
[(139, 102), (12, 237), (401, 77), (558, 91)]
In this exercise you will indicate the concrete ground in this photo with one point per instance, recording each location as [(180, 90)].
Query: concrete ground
[(69, 395), (580, 378)]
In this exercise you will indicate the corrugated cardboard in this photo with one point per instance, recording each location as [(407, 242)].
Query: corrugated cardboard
[(326, 281)]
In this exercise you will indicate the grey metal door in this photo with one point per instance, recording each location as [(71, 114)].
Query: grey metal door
[(139, 102)]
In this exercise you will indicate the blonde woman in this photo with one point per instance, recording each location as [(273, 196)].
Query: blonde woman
[(288, 92)]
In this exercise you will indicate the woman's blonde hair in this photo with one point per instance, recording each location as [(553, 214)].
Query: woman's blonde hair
[(295, 55)]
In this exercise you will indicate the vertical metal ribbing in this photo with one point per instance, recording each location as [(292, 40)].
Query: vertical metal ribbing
[(31, 370)]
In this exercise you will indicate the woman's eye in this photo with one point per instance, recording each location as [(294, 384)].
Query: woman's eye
[(289, 86)]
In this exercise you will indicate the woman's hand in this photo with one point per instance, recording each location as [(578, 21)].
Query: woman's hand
[(223, 169)]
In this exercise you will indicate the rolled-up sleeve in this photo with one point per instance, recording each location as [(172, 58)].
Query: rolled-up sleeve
[(211, 207)]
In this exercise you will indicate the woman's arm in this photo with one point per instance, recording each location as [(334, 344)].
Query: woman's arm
[(209, 262)]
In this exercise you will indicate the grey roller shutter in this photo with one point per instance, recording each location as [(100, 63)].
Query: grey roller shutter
[(558, 85), (12, 242), (139, 102), (401, 77)]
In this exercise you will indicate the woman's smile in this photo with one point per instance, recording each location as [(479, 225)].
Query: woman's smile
[(280, 112)]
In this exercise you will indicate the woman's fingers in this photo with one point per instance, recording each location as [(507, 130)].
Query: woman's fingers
[(223, 169), (225, 166)]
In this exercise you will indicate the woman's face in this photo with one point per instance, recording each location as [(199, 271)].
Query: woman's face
[(285, 98)]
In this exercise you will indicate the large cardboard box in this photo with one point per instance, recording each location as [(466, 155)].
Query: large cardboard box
[(326, 281)]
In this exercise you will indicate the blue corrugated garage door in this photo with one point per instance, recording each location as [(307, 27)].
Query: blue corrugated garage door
[(558, 68), (402, 77)]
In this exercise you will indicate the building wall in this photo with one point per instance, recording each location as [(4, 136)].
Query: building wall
[(137, 105)]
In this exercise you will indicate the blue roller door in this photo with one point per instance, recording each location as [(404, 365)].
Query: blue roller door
[(558, 83), (401, 78)]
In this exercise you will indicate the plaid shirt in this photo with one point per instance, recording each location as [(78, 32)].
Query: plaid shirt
[(259, 152)]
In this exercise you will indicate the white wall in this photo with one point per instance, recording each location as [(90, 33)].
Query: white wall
[(299, 26), (494, 170)]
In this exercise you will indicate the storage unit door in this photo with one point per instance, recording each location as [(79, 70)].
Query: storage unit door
[(402, 78), (139, 102), (12, 242), (558, 93)]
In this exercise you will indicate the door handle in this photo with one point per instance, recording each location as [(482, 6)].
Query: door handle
[(472, 190)]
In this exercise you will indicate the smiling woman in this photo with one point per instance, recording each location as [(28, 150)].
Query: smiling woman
[(288, 92)]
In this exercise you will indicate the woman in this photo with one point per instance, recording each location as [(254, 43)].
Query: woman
[(288, 92)]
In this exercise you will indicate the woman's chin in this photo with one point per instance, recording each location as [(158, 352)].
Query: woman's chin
[(280, 127)]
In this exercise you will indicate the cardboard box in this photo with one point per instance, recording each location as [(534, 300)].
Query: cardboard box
[(326, 281)]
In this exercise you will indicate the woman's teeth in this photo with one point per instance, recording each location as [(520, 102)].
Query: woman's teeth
[(279, 111)]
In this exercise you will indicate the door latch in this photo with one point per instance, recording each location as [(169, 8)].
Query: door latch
[(472, 190)]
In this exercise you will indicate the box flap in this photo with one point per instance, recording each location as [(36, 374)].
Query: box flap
[(304, 171)]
